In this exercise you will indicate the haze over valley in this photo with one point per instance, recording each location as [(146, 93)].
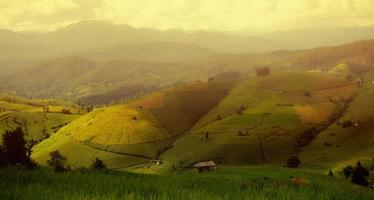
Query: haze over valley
[(111, 100)]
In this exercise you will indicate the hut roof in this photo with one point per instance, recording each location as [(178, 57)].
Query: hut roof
[(205, 164)]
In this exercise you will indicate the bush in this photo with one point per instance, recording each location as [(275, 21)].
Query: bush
[(240, 110), (347, 171), (65, 111), (347, 124), (263, 71), (359, 175), (97, 164), (57, 161), (349, 77), (293, 162)]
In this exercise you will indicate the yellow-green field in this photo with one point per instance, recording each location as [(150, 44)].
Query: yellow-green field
[(31, 116), (255, 121)]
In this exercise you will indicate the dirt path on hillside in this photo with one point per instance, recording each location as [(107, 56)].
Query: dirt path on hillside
[(115, 152)]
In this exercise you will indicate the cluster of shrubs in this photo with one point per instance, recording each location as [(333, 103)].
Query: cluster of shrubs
[(358, 174), (58, 163), (16, 151), (65, 111)]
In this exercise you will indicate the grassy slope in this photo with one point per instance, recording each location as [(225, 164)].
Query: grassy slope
[(338, 146), (226, 183), (270, 118), (140, 130), (35, 124), (29, 114), (109, 133)]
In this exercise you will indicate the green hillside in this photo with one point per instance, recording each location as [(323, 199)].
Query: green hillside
[(31, 115), (338, 146), (138, 131), (262, 119)]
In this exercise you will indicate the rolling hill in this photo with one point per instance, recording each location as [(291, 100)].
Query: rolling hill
[(80, 79), (259, 120), (31, 116), (76, 77), (262, 120), (340, 145), (154, 52), (128, 134)]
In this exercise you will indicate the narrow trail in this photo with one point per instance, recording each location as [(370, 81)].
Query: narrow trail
[(135, 165), (115, 152), (138, 164)]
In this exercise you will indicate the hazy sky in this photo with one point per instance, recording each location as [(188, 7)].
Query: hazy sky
[(227, 15)]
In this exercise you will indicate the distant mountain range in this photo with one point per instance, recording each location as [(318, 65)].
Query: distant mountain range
[(109, 62), (86, 35)]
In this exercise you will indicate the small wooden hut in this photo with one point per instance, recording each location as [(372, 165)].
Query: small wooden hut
[(205, 166)]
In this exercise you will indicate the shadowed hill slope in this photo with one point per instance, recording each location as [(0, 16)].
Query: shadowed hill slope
[(262, 120), (351, 138)]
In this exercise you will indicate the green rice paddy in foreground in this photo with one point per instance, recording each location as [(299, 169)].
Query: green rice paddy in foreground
[(226, 183)]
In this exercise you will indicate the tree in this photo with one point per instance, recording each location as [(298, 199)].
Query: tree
[(293, 162), (57, 161), (331, 173), (14, 147), (97, 164), (206, 136), (89, 108), (29, 147), (359, 175)]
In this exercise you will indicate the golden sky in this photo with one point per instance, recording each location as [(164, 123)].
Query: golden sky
[(225, 15)]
